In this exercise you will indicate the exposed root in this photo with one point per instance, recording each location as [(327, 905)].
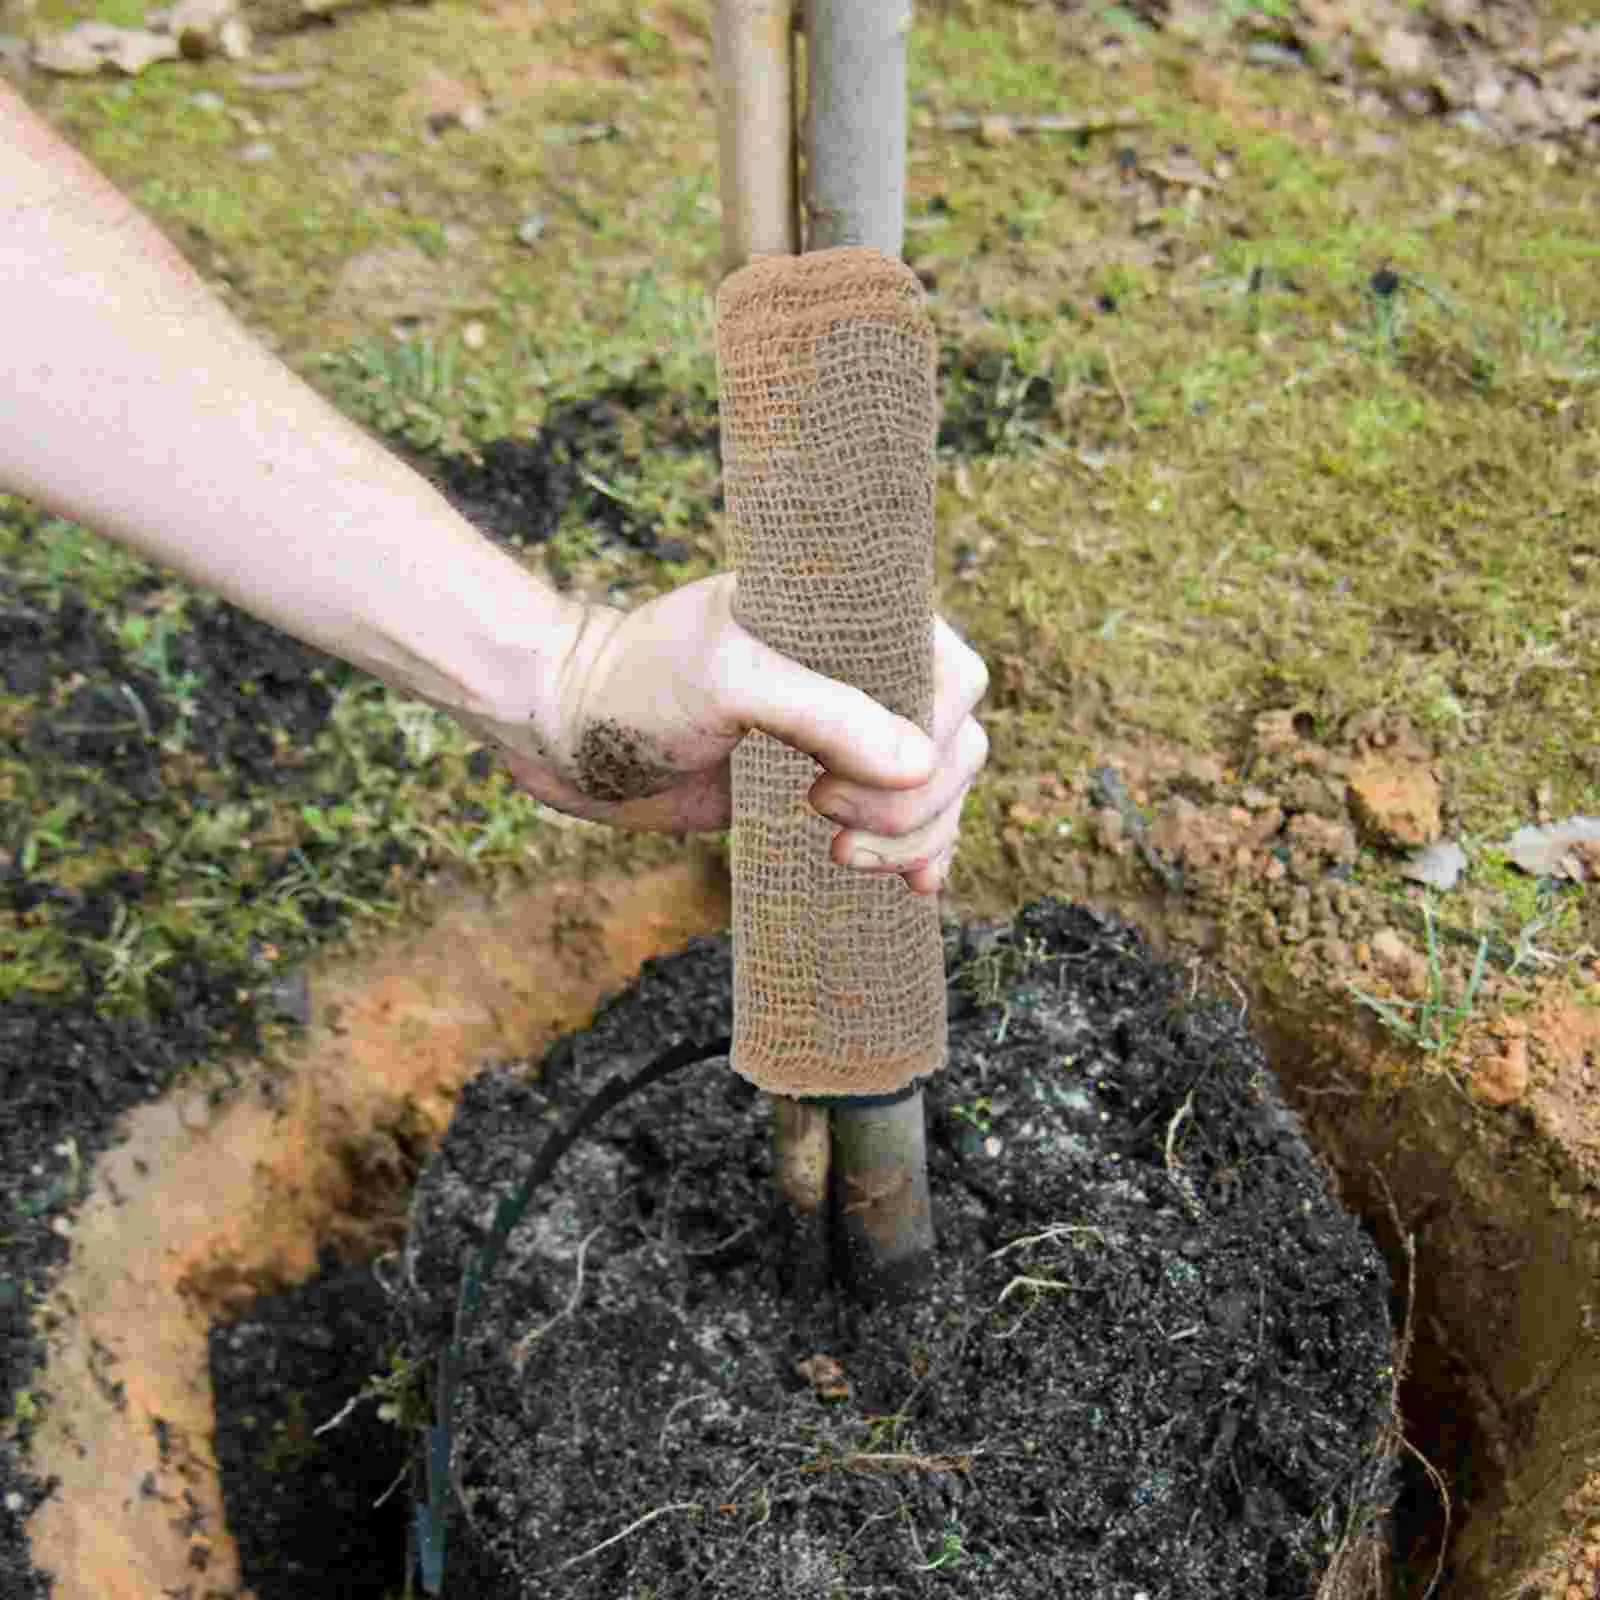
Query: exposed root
[(525, 1344), (895, 1461), (625, 1533)]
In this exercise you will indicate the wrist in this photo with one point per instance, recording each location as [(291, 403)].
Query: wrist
[(582, 640), (518, 653)]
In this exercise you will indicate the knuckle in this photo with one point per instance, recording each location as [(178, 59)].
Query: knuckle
[(891, 816)]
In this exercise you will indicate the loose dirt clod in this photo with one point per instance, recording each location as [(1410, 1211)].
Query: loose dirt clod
[(616, 763), (1395, 803), (1500, 1075)]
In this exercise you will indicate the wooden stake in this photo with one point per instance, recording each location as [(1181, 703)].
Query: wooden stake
[(754, 45), (758, 150)]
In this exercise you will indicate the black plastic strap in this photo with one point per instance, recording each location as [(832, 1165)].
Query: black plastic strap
[(862, 1100)]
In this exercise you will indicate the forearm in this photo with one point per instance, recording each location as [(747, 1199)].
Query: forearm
[(131, 401)]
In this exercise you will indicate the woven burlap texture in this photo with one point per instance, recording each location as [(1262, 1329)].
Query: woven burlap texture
[(829, 409)]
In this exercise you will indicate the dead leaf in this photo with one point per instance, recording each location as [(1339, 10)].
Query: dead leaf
[(1406, 55), (1569, 849), (1438, 866), (825, 1376), (93, 47), (1180, 172), (209, 28), (995, 131)]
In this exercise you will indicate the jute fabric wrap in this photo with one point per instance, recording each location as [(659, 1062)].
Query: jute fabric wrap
[(829, 411)]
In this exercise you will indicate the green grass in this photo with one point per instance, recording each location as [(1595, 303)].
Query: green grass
[(227, 868), (1435, 1023), (1256, 482)]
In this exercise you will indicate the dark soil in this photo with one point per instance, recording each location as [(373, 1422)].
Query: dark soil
[(1156, 1358), (20, 1496), (301, 1504), (518, 490), (243, 681), (66, 1074), (990, 404), (70, 1065)]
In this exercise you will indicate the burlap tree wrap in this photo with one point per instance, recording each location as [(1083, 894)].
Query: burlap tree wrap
[(829, 411)]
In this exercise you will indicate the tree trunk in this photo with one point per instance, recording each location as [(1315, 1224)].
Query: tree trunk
[(856, 123), (865, 1163), (855, 188)]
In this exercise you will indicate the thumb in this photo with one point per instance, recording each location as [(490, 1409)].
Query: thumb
[(843, 728)]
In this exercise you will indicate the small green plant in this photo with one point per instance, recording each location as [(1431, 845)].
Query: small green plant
[(25, 1414), (329, 823), (401, 1394), (130, 954), (413, 389), (292, 1441), (951, 1552), (990, 973), (1434, 1022), (979, 1114), (50, 831), (149, 641)]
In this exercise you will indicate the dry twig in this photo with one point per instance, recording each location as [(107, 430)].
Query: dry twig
[(524, 1345), (1082, 122)]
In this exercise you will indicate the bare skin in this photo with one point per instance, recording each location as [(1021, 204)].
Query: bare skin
[(133, 402)]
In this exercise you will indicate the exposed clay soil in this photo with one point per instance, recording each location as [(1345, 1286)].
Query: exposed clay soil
[(217, 1193), (1157, 1357)]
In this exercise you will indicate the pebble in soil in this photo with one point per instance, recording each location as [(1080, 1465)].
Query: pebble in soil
[(1156, 1357)]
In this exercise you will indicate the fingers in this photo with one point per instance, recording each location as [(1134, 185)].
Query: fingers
[(960, 681), (931, 878), (921, 856), (895, 813), (896, 793), (847, 731)]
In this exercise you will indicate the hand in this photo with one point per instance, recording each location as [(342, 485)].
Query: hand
[(651, 703)]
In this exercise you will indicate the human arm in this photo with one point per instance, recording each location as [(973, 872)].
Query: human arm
[(134, 403)]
